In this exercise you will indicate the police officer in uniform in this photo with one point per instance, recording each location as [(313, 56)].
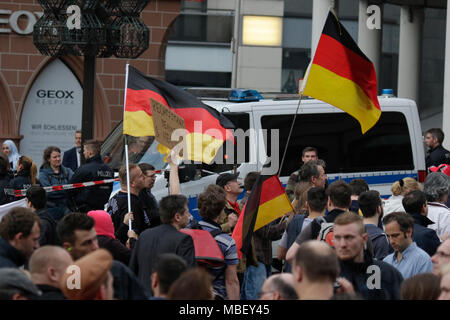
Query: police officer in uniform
[(94, 197), (436, 155)]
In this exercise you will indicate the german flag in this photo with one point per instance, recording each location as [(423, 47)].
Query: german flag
[(267, 202), (207, 128), (341, 75)]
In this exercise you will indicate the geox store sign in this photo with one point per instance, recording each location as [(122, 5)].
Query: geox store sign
[(9, 21)]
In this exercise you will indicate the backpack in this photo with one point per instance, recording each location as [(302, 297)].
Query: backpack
[(326, 231), (207, 251)]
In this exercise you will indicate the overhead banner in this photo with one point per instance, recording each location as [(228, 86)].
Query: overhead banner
[(52, 112)]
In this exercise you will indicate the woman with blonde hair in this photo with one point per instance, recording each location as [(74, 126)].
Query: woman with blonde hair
[(25, 177), (399, 189)]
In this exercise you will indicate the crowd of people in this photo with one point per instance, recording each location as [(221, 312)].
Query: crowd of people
[(342, 241)]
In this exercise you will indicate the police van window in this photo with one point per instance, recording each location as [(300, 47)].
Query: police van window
[(338, 138), (241, 120)]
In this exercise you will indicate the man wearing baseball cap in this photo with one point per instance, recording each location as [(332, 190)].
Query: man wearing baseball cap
[(15, 285), (233, 188)]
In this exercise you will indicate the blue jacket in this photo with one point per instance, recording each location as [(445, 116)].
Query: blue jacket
[(48, 177), (293, 230), (424, 237), (380, 242), (10, 257)]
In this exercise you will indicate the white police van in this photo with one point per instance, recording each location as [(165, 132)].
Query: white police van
[(391, 150)]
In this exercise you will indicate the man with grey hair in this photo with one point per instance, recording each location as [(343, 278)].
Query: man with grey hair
[(279, 287), (436, 188), (47, 266)]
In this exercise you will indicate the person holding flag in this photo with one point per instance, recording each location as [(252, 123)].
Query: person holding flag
[(266, 203), (255, 276), (206, 129)]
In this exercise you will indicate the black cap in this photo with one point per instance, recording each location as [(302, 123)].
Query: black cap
[(224, 178)]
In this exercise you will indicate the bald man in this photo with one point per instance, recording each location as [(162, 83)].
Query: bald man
[(279, 287), (47, 266), (315, 269)]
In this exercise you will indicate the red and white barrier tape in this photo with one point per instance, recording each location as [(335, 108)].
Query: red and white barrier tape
[(23, 192)]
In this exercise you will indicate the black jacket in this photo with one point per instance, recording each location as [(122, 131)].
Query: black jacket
[(49, 293), (94, 197), (424, 237), (362, 274), (126, 285), (10, 257), (48, 228), (152, 242), (118, 208), (437, 156), (150, 206), (4, 184), (119, 251), (21, 181)]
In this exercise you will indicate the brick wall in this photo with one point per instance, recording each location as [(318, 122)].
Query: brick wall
[(21, 62)]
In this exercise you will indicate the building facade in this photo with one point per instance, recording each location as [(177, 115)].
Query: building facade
[(407, 48), (41, 96)]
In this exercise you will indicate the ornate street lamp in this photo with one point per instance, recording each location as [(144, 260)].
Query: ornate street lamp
[(106, 28)]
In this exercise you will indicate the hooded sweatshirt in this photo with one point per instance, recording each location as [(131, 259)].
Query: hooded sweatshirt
[(106, 239)]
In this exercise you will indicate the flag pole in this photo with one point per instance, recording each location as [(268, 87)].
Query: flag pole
[(302, 88), (126, 149)]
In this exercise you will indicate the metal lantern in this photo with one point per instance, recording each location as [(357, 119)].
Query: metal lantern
[(129, 37), (89, 40), (105, 28), (52, 5), (47, 35)]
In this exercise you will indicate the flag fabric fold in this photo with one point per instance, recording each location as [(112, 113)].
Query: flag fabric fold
[(207, 129), (341, 75), (266, 203)]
